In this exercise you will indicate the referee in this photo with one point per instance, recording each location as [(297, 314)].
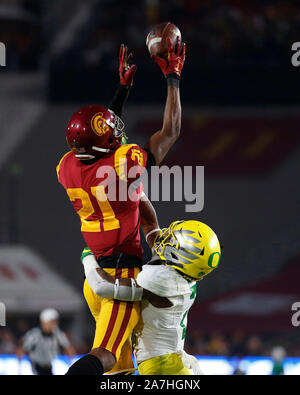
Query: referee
[(42, 344)]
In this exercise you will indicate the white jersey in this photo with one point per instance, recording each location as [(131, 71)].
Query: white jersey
[(162, 330)]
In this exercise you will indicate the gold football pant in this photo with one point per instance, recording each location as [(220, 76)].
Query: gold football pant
[(168, 364), (115, 321)]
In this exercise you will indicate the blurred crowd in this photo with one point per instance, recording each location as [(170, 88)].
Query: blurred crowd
[(236, 344), (218, 33), (11, 337), (240, 343), (20, 31)]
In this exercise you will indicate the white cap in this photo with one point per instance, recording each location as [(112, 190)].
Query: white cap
[(49, 315), (278, 353)]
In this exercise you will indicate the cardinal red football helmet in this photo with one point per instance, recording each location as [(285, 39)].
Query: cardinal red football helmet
[(93, 131)]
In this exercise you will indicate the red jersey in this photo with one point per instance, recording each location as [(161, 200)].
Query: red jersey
[(103, 197)]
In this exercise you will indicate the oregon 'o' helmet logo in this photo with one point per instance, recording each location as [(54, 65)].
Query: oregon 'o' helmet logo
[(99, 124)]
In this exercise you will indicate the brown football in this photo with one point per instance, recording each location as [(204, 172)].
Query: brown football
[(156, 41)]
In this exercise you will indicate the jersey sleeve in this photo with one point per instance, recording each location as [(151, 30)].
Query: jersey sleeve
[(60, 168), (130, 162), (163, 281)]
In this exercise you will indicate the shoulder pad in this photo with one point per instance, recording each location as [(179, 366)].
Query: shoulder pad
[(127, 156), (60, 163)]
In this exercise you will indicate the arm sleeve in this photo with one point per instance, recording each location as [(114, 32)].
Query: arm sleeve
[(108, 290), (103, 288), (118, 101)]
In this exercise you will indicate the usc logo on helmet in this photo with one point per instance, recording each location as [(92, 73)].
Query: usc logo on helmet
[(137, 155), (99, 125)]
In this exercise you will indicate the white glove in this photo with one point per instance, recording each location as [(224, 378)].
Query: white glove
[(191, 362)]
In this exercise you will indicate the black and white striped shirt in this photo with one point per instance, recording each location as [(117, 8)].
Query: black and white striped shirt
[(42, 347)]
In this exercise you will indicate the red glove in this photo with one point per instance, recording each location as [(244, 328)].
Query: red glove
[(126, 72), (176, 58)]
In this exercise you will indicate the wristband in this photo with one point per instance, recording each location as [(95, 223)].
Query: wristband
[(116, 288), (119, 99), (143, 197), (133, 289), (152, 231), (171, 81), (125, 293)]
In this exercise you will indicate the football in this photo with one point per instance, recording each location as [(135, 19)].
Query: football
[(156, 41)]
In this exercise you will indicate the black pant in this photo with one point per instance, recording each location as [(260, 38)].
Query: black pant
[(41, 370)]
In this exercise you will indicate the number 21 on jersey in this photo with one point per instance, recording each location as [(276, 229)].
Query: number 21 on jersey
[(110, 222)]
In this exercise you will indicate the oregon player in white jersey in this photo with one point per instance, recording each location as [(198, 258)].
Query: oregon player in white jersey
[(184, 253), (160, 334)]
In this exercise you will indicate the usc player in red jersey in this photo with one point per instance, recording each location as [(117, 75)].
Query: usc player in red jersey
[(99, 162)]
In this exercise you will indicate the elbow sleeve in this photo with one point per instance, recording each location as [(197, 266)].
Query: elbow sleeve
[(100, 286), (119, 100)]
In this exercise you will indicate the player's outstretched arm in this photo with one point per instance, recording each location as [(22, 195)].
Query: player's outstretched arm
[(161, 141), (126, 74)]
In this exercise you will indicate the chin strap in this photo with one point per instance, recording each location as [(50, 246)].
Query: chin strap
[(88, 157), (85, 156), (101, 149)]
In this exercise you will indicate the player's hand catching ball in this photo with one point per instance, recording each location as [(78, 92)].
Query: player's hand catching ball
[(125, 70), (172, 66)]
